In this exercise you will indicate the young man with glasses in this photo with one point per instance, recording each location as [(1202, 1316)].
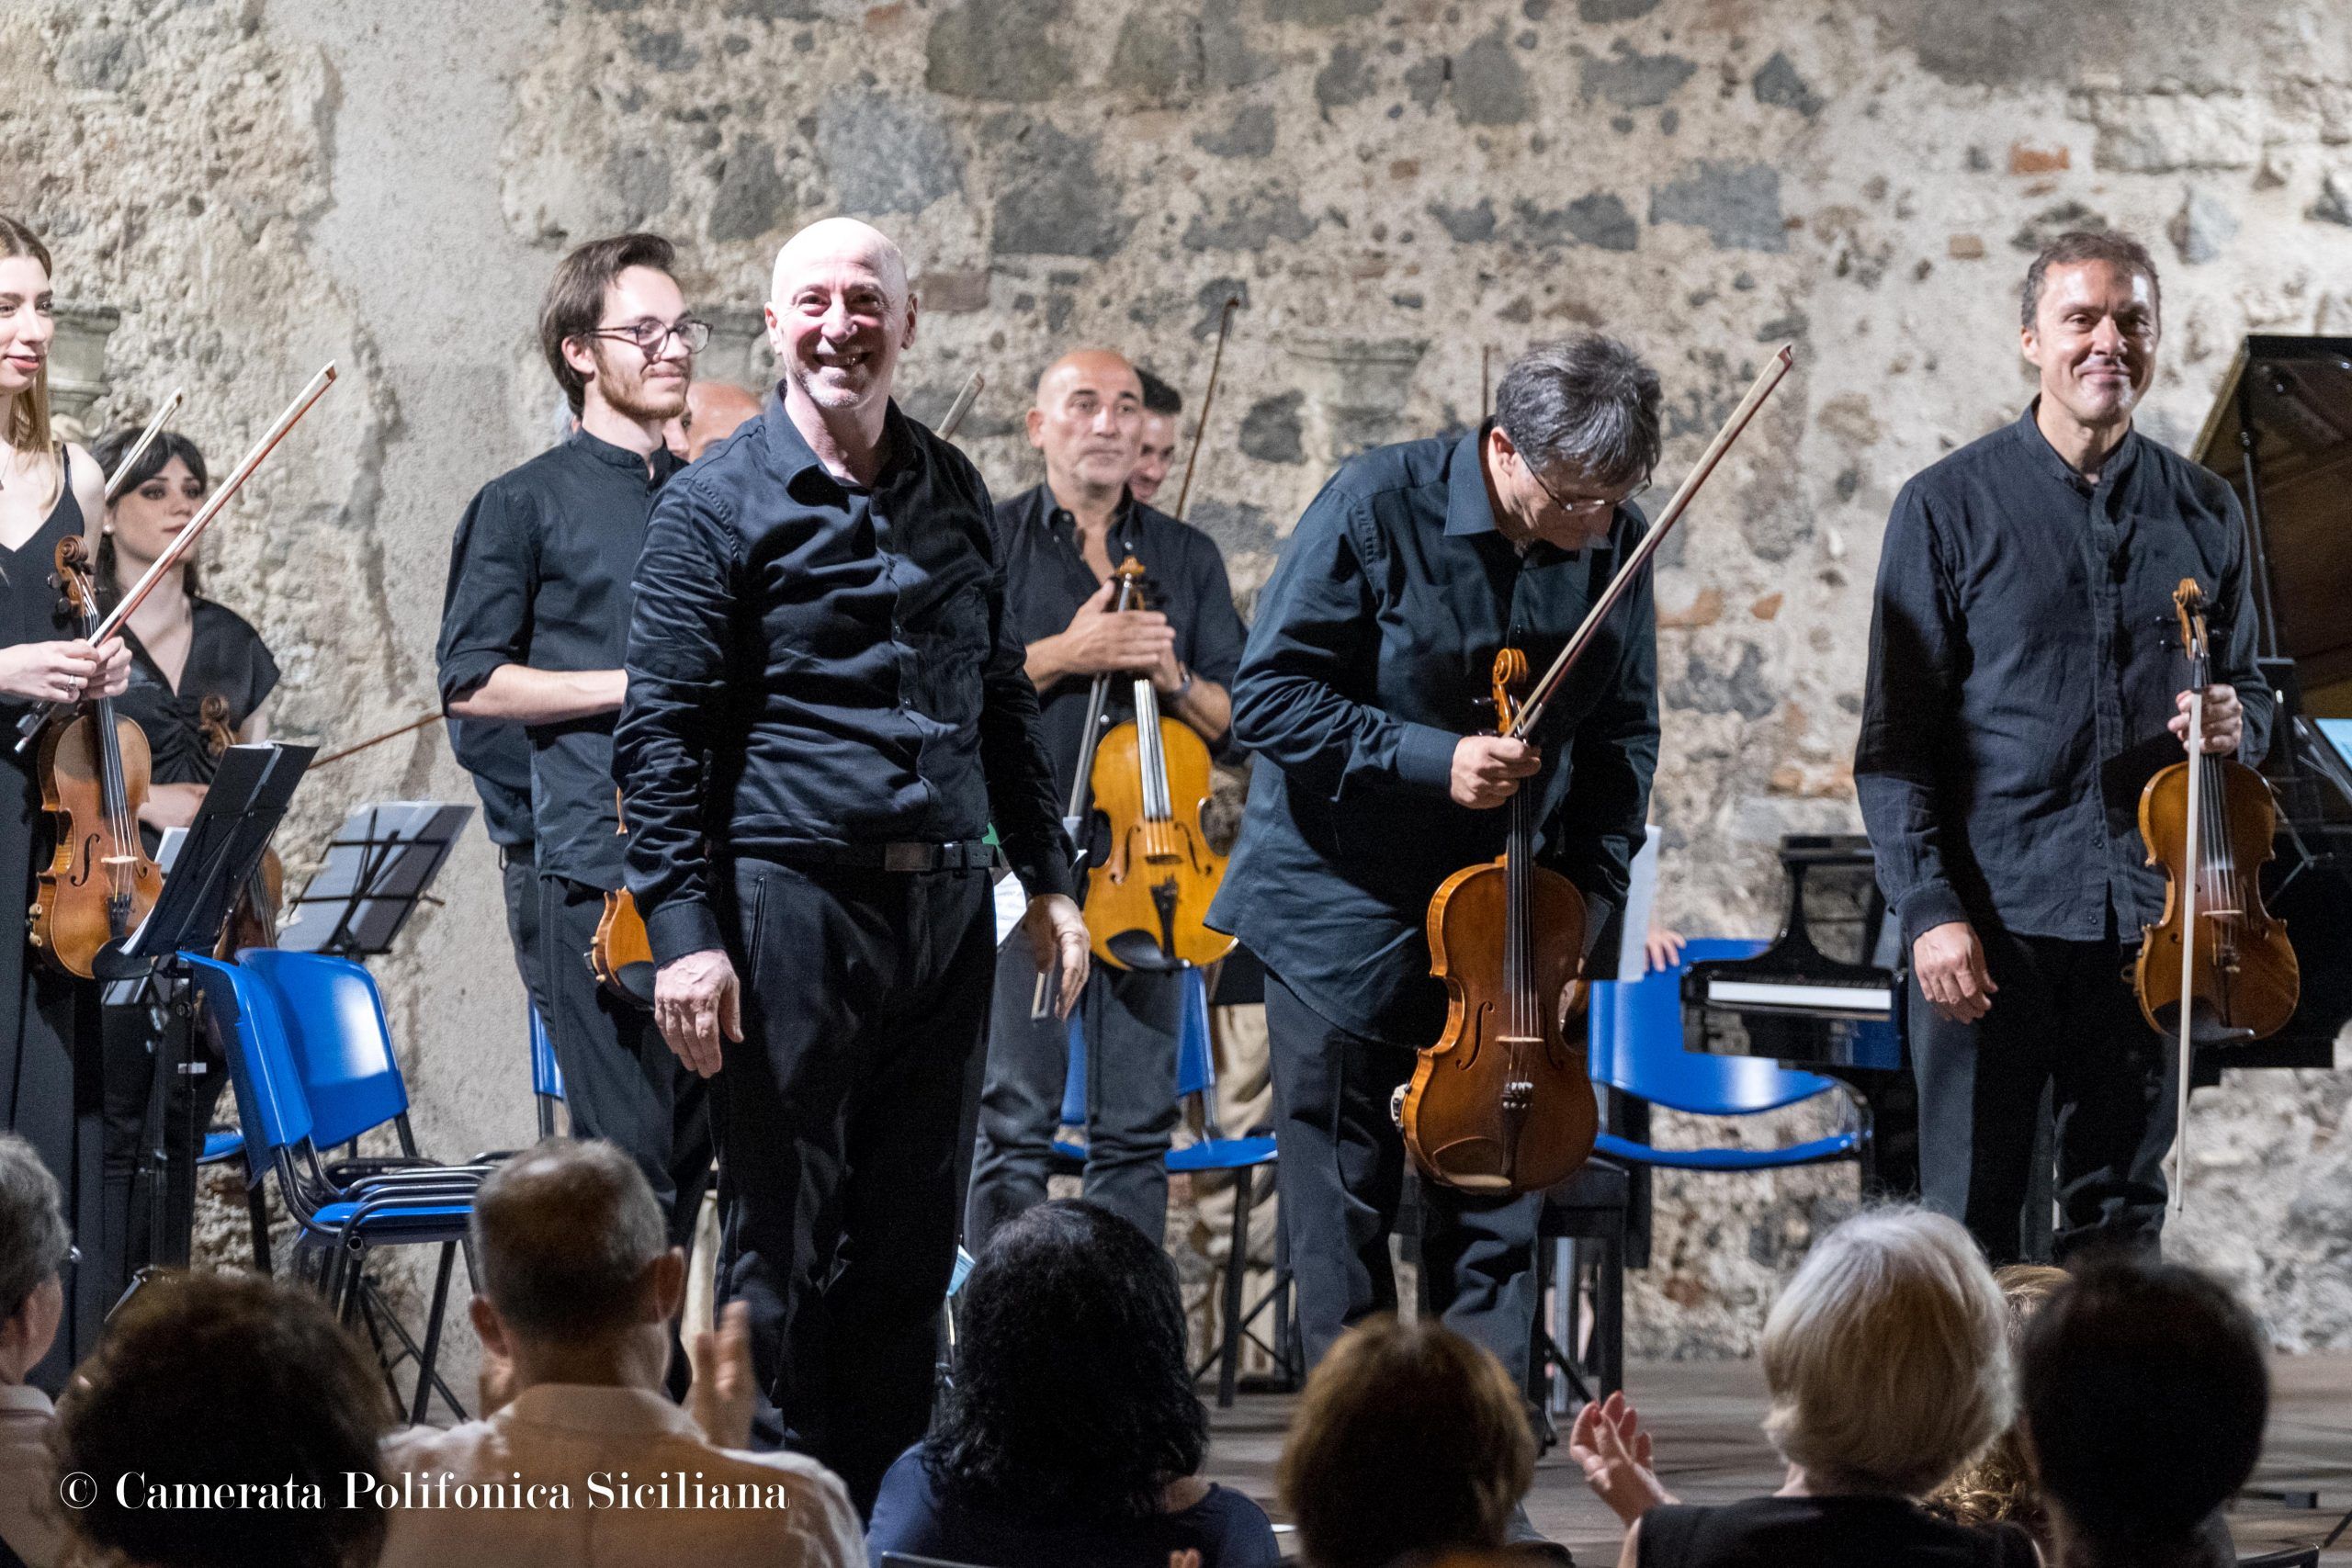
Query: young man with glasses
[(542, 582), (1365, 691)]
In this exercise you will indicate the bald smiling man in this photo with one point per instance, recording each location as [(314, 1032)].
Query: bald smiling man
[(826, 711), (1062, 540)]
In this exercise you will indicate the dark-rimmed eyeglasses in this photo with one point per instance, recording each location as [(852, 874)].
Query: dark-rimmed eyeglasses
[(1591, 507), (652, 337)]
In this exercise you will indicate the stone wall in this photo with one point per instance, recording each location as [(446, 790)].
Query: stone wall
[(1396, 190)]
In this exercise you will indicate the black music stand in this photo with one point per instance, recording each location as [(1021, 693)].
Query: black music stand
[(243, 807), (378, 866)]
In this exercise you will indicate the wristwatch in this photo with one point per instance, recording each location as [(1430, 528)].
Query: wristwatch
[(1182, 686)]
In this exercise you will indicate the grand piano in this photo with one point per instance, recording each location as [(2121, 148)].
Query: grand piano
[(2280, 433)]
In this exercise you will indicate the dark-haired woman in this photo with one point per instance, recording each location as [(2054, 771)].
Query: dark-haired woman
[(50, 1087), (199, 677), (1073, 1436)]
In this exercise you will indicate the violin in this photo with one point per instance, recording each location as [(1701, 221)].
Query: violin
[(1146, 900), (2217, 968), (1503, 1101), (253, 919), (94, 775), (620, 954)]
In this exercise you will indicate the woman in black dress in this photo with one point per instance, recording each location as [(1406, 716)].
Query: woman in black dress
[(199, 678), (50, 1088)]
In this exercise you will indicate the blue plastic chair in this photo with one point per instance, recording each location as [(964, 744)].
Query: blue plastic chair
[(339, 1221), (1196, 1081), (1634, 1037), (547, 1074)]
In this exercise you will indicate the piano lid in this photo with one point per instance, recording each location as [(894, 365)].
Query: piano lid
[(2296, 394)]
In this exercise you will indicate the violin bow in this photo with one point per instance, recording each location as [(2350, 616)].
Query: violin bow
[(138, 448), (418, 723), (186, 540), (1208, 399), (964, 399), (1530, 712)]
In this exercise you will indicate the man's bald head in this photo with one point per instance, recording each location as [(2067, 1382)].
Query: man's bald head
[(839, 318), (1087, 421), (714, 410), (832, 242)]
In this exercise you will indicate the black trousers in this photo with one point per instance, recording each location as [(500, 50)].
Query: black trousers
[(846, 1119), (620, 1081), (1341, 1173), (521, 877), (2063, 1019), (1129, 1019)]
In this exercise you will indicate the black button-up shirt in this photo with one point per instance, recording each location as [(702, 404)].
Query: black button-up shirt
[(2025, 659), (815, 664), (542, 576), (1047, 578), (1371, 656)]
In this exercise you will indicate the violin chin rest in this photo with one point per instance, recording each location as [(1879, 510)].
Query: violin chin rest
[(1140, 950)]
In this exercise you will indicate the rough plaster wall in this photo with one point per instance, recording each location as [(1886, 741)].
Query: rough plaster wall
[(1391, 188)]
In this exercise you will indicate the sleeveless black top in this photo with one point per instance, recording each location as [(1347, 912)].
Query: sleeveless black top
[(1823, 1532)]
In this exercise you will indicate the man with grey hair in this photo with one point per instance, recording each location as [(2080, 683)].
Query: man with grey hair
[(34, 1245), (1364, 693), (578, 1287), (826, 712)]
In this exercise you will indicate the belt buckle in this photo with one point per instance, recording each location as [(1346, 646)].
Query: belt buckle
[(909, 857)]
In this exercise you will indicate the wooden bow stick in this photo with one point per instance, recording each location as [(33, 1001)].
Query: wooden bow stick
[(1208, 399), (138, 448), (961, 406), (1530, 712), (185, 539)]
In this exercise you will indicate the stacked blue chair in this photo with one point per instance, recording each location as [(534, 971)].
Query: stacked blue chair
[(547, 1075), (308, 1058), (1635, 1036), (1196, 1081)]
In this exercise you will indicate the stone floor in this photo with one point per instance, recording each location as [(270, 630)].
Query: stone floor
[(1705, 1413)]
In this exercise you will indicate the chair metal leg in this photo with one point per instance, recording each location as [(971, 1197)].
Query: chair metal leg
[(258, 1214), (1608, 1315), (426, 1359), (1237, 1269)]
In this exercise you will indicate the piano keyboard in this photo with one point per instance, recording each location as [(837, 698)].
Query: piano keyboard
[(1864, 1002)]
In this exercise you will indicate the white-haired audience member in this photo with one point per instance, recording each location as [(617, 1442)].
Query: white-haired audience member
[(2144, 1395), (1887, 1359), (578, 1288), (33, 1248)]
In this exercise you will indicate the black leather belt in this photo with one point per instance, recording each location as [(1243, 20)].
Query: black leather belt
[(970, 854)]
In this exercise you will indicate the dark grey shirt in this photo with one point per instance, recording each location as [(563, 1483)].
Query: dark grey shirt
[(815, 665), (2024, 663), (543, 576), (1371, 656), (1047, 578)]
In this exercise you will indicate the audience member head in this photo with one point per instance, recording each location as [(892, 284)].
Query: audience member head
[(1162, 407), (1087, 420), (2146, 1393), (1409, 1438), (1887, 1355), (204, 1381), (34, 1245), (715, 409), (1073, 1398), (578, 1279), (1997, 1486)]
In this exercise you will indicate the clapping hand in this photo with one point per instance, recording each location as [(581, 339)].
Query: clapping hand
[(1608, 1442)]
